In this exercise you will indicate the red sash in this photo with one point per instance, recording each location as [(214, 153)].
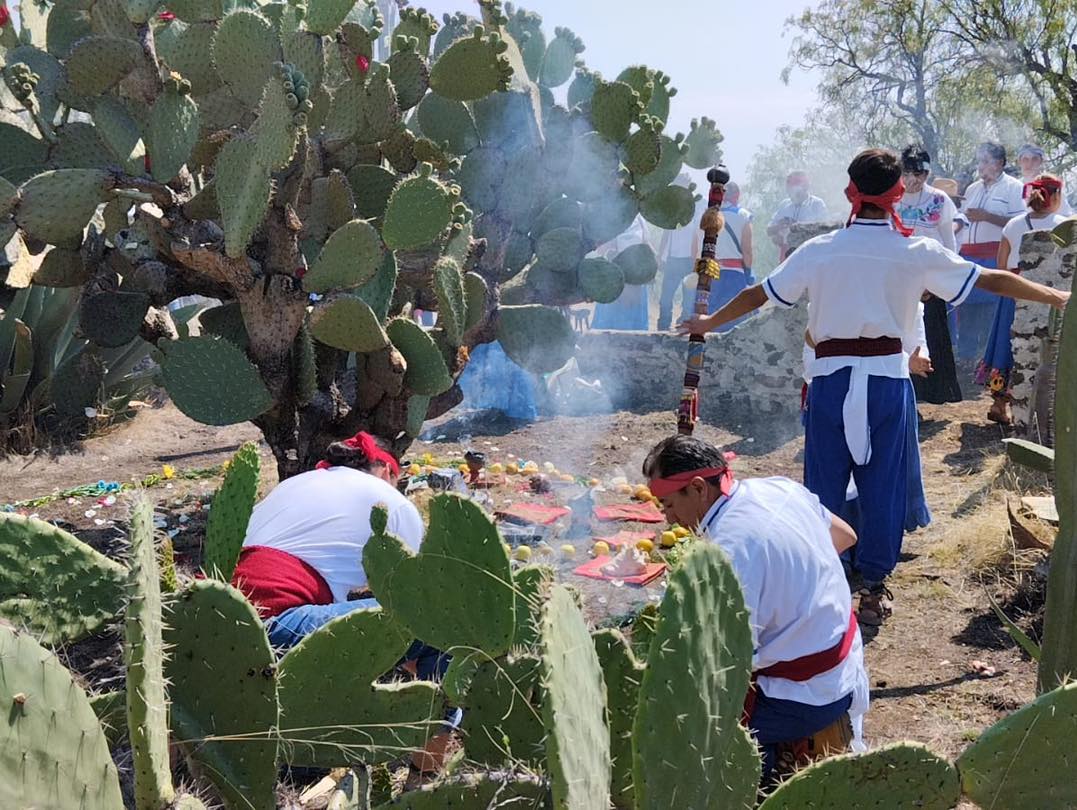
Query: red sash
[(731, 264), (858, 347), (804, 668), (980, 250), (275, 581)]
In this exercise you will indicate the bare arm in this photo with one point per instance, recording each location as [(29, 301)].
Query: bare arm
[(746, 244), (1010, 285), (747, 300), (841, 534), (1003, 262)]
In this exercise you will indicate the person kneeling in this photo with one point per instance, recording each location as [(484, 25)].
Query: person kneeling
[(810, 688)]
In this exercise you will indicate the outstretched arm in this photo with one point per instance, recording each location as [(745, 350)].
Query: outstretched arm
[(747, 300), (1011, 285)]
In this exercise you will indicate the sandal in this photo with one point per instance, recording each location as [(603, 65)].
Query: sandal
[(875, 605)]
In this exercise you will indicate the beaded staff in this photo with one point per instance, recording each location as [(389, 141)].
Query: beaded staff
[(708, 271)]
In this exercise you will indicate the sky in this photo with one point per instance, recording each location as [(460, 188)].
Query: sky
[(725, 58)]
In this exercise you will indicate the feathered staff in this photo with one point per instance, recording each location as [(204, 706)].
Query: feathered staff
[(707, 270)]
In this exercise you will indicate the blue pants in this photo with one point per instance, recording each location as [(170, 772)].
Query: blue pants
[(287, 629), (775, 721), (673, 274), (882, 483)]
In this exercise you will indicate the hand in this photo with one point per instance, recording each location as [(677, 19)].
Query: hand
[(696, 325), (920, 366), (977, 214), (1061, 298)]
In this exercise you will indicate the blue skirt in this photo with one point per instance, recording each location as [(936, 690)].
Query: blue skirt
[(491, 381), (994, 369), (974, 317)]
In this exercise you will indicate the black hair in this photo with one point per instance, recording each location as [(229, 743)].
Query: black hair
[(914, 158), (995, 151), (679, 454), (340, 454), (875, 171)]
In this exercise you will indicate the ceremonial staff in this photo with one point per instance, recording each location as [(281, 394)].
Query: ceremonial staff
[(707, 270)]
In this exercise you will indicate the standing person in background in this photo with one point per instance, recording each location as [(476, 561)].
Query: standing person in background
[(1044, 197), (800, 206), (734, 252), (679, 250), (930, 212), (990, 202), (631, 311), (1031, 159)]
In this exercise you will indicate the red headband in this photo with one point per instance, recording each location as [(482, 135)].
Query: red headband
[(886, 201), (1048, 185), (365, 442), (662, 487)]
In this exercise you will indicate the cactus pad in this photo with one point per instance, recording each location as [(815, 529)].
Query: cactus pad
[(339, 713), (350, 257), (173, 131), (225, 321), (274, 130), (475, 792), (561, 213), (526, 28), (1023, 755), (217, 639), (232, 506), (418, 407), (372, 185), (245, 49), (55, 753), (641, 79), (614, 108), (601, 280), (638, 263), (96, 64), (472, 68), (670, 207), (112, 318), (475, 290), (418, 24), (902, 775), (325, 16), (419, 210), (190, 54), (21, 154), (378, 292), (347, 322), (582, 89), (463, 562), (76, 383), (669, 166), (55, 206), (503, 721), (643, 149), (560, 249), (594, 162), (452, 304), (427, 373), (378, 108), (54, 584), (409, 73), (197, 10), (1030, 454), (481, 176), (702, 143), (538, 338), (147, 705), (560, 59), (574, 708), (213, 382), (689, 747), (243, 190), (622, 674), (448, 122)]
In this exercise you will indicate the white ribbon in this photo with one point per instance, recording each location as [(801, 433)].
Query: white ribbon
[(854, 411)]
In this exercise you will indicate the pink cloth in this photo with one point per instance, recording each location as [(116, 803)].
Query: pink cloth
[(593, 569)]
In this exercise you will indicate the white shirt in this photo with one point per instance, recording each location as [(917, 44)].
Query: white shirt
[(1004, 197), (323, 518), (736, 219), (682, 239), (777, 536), (1017, 227), (930, 212), (813, 209)]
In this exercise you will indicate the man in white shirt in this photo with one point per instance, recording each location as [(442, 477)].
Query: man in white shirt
[(864, 284), (800, 206), (679, 250), (811, 688)]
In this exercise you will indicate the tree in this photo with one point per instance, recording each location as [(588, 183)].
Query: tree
[(263, 156)]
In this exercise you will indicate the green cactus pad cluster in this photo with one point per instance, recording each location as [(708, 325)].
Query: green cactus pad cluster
[(347, 322), (538, 338), (463, 558), (216, 639), (702, 143), (54, 584), (472, 68), (419, 210), (350, 258), (332, 710), (689, 749), (233, 504), (622, 674), (55, 753), (213, 382), (427, 373), (601, 280), (147, 706), (574, 708)]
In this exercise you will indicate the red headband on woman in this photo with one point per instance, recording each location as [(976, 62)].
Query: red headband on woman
[(1048, 185), (886, 201), (365, 442)]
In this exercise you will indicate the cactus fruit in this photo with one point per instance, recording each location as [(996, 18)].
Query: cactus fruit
[(233, 504), (419, 210), (213, 382), (350, 258), (560, 59), (601, 280), (245, 48), (472, 68), (462, 552), (427, 373), (615, 106), (621, 673), (670, 207), (54, 584), (1017, 757), (55, 206), (688, 747), (337, 715), (503, 717), (538, 338), (216, 638), (475, 792), (638, 263), (147, 708), (574, 708), (902, 775), (702, 143), (55, 753)]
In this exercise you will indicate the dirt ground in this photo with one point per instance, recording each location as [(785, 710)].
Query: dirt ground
[(941, 670)]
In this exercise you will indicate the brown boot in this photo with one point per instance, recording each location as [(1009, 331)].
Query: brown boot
[(876, 602)]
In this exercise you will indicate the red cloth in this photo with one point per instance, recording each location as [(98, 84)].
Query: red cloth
[(537, 513), (365, 442), (625, 538), (886, 201), (804, 668), (858, 347), (980, 250), (1048, 185), (592, 569), (661, 487), (275, 581), (731, 264), (637, 512)]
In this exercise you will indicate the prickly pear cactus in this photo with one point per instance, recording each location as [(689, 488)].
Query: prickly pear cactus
[(55, 753), (147, 703), (901, 775), (476, 792), (689, 749), (216, 638), (503, 712), (231, 512), (53, 584), (622, 674)]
